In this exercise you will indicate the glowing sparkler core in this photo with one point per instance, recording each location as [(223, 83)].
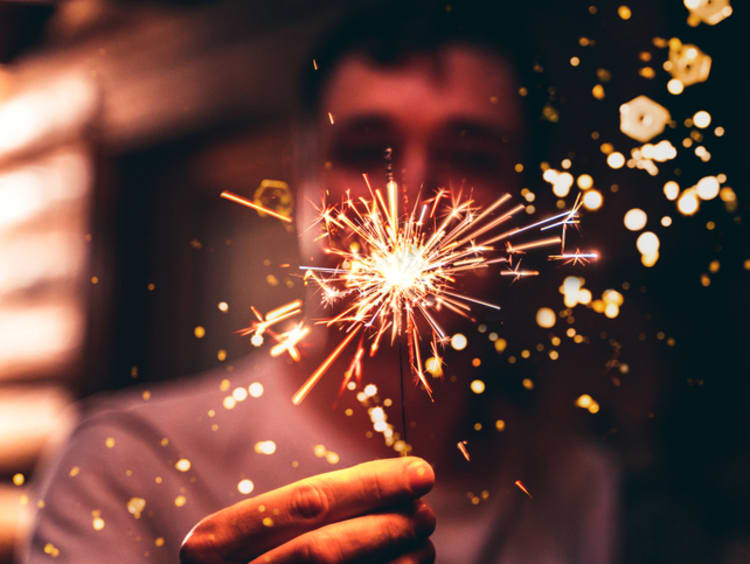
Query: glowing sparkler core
[(397, 271)]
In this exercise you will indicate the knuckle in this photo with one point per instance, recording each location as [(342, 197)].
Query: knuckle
[(319, 551), (374, 488), (396, 529), (309, 500)]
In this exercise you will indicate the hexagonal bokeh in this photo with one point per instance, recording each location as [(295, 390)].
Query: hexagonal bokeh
[(642, 118), (709, 12), (687, 62)]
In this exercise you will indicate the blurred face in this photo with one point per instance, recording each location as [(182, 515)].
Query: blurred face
[(452, 117)]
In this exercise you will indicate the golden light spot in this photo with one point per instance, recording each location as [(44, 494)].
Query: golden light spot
[(500, 425), (528, 384), (272, 280), (255, 389), (223, 307), (666, 221), (647, 72), (523, 91), (267, 522), (459, 341), (707, 188), (518, 167), (199, 332), (348, 412), (675, 86), (146, 395), (477, 386), (477, 426), (151, 286), (229, 402), (713, 266), (109, 442), (554, 355), (159, 541), (94, 279), (512, 359), (584, 401), (52, 550), (74, 471), (97, 523), (265, 447), (746, 264), (585, 181), (594, 408), (245, 486), (525, 353), (500, 344), (330, 118), (624, 12), (612, 310), (433, 367), (332, 457), (719, 131), (221, 355), (575, 61), (545, 317), (598, 91), (183, 465), (164, 441), (702, 119), (648, 261), (180, 500), (616, 160), (570, 332), (647, 243), (705, 280), (710, 225), (671, 190), (18, 479), (687, 204), (492, 336), (592, 200), (635, 219), (239, 393), (135, 506), (158, 479)]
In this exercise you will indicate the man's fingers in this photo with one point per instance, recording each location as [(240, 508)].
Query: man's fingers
[(254, 526), (424, 554), (375, 537)]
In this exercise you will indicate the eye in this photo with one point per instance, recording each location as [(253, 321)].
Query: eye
[(362, 155)]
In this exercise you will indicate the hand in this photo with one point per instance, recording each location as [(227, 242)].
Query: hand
[(369, 512)]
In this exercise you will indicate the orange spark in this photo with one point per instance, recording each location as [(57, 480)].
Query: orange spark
[(462, 447), (521, 487), (250, 204)]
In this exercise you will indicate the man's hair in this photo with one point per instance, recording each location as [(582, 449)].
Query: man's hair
[(388, 32)]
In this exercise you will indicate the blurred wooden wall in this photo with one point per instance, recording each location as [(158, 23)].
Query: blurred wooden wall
[(119, 125)]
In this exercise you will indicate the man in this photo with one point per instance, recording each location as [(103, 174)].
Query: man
[(229, 471)]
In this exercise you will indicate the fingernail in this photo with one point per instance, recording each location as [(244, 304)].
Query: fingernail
[(421, 477)]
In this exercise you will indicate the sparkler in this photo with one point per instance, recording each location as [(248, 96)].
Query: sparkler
[(396, 271)]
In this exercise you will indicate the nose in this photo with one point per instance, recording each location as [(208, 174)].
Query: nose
[(415, 170)]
